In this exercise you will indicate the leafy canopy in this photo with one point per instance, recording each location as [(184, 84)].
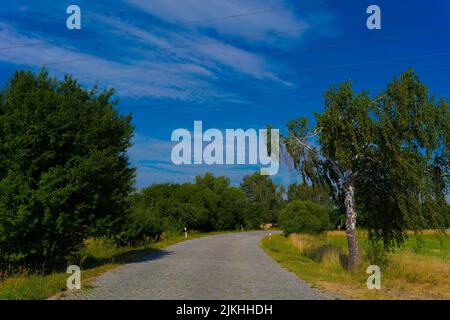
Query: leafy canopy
[(64, 171), (393, 148)]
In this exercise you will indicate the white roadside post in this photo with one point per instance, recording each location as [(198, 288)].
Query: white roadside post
[(270, 239), (185, 232)]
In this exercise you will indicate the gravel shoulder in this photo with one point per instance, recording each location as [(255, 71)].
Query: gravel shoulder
[(219, 267)]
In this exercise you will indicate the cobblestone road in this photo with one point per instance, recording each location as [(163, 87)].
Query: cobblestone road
[(229, 266)]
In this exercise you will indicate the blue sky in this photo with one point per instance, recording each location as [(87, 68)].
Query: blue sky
[(231, 64)]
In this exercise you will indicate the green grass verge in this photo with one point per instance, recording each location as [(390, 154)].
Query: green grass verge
[(413, 272), (96, 258)]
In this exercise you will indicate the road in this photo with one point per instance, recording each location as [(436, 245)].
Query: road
[(220, 267)]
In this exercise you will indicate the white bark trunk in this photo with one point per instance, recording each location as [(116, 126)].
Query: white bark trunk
[(349, 202)]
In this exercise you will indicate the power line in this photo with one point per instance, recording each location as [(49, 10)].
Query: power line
[(183, 47), (366, 63), (288, 90), (332, 67), (272, 54), (133, 30), (156, 49), (280, 90)]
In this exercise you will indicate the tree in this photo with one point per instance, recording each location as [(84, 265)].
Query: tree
[(390, 154), (230, 211), (407, 179), (304, 192), (207, 205), (64, 171), (260, 189), (344, 132), (304, 217)]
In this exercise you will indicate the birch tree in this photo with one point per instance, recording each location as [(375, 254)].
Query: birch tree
[(388, 156), (344, 132)]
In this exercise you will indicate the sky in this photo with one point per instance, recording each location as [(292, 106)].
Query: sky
[(231, 64)]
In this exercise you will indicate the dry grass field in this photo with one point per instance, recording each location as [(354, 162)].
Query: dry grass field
[(418, 270)]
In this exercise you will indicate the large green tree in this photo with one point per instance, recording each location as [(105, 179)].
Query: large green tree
[(407, 179), (64, 172), (389, 153)]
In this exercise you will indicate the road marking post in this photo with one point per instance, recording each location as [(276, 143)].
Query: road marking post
[(185, 232)]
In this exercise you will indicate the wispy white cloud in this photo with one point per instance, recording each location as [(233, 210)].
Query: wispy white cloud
[(173, 61), (211, 56), (138, 79), (255, 16)]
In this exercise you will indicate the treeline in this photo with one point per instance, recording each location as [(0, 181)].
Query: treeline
[(209, 204)]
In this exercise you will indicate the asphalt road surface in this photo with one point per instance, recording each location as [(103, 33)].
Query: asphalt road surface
[(220, 267)]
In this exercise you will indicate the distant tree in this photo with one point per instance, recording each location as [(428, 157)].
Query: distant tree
[(215, 184), (390, 154), (303, 192), (64, 172), (208, 204), (304, 217), (254, 215), (261, 190), (231, 208)]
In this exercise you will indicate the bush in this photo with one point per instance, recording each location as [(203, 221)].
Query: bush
[(304, 217), (64, 171), (376, 253), (141, 224)]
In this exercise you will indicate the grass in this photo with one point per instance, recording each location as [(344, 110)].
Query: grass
[(413, 272), (96, 258)]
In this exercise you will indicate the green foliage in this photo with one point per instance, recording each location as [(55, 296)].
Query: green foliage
[(344, 131), (261, 190), (255, 215), (304, 217), (305, 192), (64, 171), (406, 180), (393, 149), (448, 215), (209, 204), (377, 254), (141, 224), (337, 218)]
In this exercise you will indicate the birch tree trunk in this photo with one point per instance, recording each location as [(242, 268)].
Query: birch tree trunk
[(349, 202)]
